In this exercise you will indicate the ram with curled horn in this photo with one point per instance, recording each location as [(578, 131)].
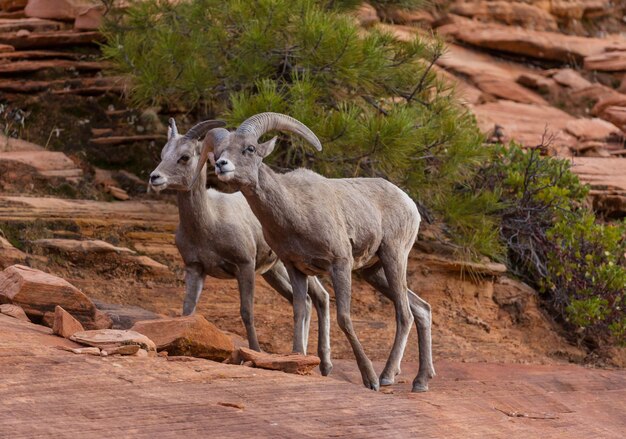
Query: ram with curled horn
[(319, 225), (219, 236)]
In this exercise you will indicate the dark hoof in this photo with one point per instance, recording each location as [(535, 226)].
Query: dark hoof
[(326, 369), (418, 388), (386, 381)]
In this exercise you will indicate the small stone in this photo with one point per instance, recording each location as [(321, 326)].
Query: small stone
[(163, 354), (292, 363), (128, 349), (65, 325), (141, 353), (22, 33), (14, 311), (88, 351)]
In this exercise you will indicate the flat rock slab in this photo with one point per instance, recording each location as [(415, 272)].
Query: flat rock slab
[(293, 363), (30, 24), (537, 44), (82, 247), (49, 39), (113, 338), (48, 164), (11, 144), (84, 396)]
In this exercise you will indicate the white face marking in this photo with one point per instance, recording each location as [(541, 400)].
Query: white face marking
[(224, 168)]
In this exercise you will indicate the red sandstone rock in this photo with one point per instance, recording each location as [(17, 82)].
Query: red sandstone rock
[(571, 78), (607, 62), (109, 339), (14, 311), (537, 44), (59, 9), (192, 336), (293, 363), (39, 293), (65, 325), (49, 39), (89, 18), (12, 5), (507, 12), (592, 129)]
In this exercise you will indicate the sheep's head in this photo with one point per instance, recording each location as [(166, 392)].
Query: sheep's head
[(179, 157), (237, 155)]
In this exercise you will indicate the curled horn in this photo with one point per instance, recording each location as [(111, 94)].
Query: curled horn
[(212, 138), (261, 123), (200, 129)]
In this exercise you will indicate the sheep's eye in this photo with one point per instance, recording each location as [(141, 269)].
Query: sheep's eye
[(183, 159), (250, 148)]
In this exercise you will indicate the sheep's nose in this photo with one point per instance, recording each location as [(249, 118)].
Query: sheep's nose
[(220, 163), (154, 177)]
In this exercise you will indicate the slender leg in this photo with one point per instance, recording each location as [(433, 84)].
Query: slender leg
[(194, 281), (299, 287), (342, 283), (245, 279), (321, 301), (404, 318), (422, 315), (278, 279)]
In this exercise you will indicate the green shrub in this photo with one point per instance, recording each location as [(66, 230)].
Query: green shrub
[(375, 102), (555, 243)]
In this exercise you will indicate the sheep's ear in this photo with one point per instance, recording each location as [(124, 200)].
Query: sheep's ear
[(172, 130), (266, 148)]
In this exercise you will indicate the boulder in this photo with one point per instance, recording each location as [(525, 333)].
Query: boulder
[(192, 336), (592, 129), (607, 178), (616, 115), (292, 363), (9, 255), (39, 293), (59, 9), (537, 44), (110, 339), (14, 311), (526, 123), (571, 78), (64, 324), (507, 12), (606, 62), (90, 18)]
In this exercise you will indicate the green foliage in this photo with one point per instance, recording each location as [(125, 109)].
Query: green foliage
[(555, 243), (587, 274), (375, 102)]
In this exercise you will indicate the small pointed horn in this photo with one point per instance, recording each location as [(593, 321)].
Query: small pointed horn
[(173, 127), (261, 123), (199, 130), (213, 137)]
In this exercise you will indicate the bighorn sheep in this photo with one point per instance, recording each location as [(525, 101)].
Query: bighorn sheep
[(219, 236), (318, 225)]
